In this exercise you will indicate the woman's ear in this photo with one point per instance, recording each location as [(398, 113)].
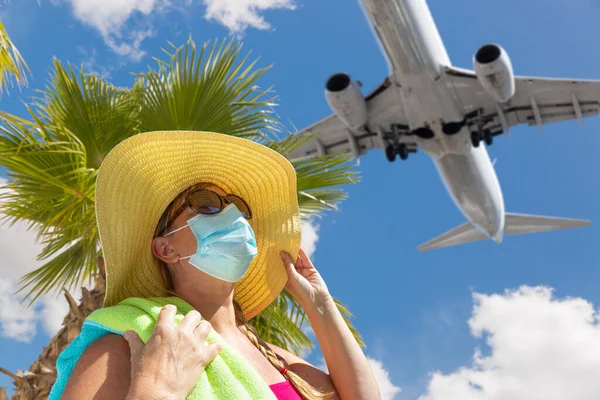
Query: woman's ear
[(162, 249)]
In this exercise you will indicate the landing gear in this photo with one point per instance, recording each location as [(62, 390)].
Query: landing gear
[(487, 136), (475, 139), (401, 150), (390, 153), (393, 141)]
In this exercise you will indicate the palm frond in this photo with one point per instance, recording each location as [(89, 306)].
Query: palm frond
[(12, 65), (321, 179), (52, 189), (281, 324), (320, 182), (52, 160), (285, 324), (212, 89), (97, 113), (290, 143), (71, 267)]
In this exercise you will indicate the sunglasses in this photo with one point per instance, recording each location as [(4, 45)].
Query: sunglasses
[(205, 201)]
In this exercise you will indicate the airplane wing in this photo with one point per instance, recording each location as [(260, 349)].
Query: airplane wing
[(330, 135), (537, 101)]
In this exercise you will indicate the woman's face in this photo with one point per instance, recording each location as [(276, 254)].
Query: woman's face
[(182, 243)]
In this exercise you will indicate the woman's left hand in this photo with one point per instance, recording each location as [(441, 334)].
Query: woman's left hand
[(304, 281)]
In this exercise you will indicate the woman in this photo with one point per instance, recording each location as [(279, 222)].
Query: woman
[(212, 222)]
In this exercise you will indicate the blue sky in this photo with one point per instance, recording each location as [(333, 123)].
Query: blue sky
[(424, 316)]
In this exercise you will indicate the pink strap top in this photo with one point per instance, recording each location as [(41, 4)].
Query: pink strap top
[(285, 391)]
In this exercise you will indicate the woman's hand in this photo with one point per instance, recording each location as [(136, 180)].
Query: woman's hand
[(169, 365), (304, 282)]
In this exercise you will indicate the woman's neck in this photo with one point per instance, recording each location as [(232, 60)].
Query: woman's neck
[(216, 308)]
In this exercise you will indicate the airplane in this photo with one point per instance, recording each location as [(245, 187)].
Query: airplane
[(449, 113)]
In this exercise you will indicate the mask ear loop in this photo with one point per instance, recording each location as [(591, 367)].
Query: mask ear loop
[(176, 230)]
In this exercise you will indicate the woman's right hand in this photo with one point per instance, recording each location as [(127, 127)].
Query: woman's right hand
[(169, 365)]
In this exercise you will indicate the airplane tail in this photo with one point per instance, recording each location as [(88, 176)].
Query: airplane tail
[(514, 224), (464, 233)]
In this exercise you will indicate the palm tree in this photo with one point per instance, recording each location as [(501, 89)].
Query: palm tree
[(12, 64), (53, 157)]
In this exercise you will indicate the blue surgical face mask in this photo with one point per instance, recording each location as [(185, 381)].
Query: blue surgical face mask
[(226, 244)]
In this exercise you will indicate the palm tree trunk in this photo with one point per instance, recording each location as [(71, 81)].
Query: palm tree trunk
[(35, 383)]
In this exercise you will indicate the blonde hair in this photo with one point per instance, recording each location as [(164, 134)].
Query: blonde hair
[(305, 389)]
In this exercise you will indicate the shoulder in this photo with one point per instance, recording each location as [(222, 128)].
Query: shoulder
[(304, 369), (109, 342), (104, 370), (111, 345), (289, 357)]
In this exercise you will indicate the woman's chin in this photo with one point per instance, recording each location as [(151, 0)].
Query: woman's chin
[(193, 278)]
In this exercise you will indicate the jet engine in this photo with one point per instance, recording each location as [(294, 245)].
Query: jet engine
[(495, 72), (346, 100)]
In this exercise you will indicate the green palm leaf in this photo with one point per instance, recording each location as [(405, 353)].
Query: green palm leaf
[(53, 190), (96, 113), (12, 64), (209, 89), (53, 159), (320, 179), (285, 324), (282, 323)]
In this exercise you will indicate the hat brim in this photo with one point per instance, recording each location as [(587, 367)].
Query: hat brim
[(140, 177)]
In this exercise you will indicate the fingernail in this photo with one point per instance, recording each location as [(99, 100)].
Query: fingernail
[(284, 255), (127, 335)]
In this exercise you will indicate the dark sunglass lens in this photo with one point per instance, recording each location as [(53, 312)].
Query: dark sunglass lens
[(205, 202), (241, 205), (209, 210)]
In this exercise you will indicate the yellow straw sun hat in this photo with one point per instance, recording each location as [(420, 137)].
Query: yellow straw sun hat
[(143, 174)]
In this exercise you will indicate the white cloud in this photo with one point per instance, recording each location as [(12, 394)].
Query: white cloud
[(109, 18), (387, 389), (112, 18), (132, 50), (91, 63), (16, 322), (21, 323), (238, 15), (19, 248), (541, 348), (310, 237)]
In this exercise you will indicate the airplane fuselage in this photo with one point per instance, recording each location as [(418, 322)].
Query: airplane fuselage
[(417, 58)]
